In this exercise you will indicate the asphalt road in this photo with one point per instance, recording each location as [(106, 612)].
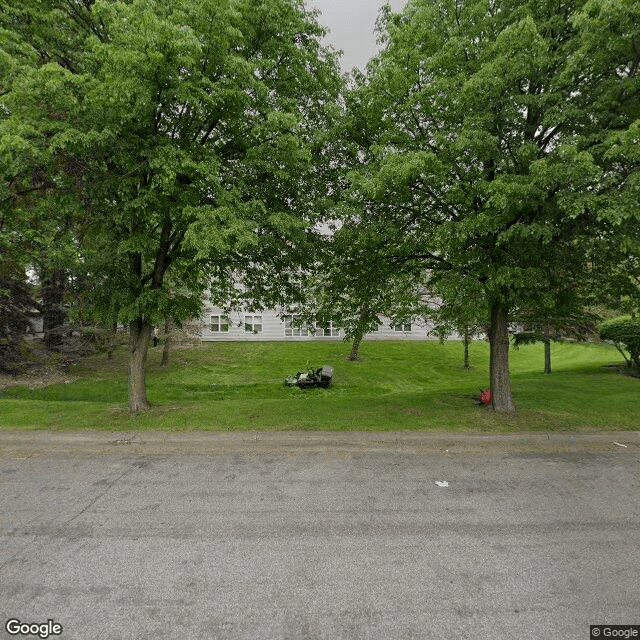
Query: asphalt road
[(319, 536)]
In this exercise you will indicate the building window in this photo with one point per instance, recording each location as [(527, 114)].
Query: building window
[(328, 329), (219, 324), (403, 325), (298, 330), (253, 324)]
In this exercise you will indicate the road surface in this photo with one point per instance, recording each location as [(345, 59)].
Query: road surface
[(304, 536)]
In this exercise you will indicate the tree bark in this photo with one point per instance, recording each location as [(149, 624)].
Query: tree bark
[(53, 314), (355, 347), (547, 351), (140, 336), (167, 343), (499, 359), (467, 340)]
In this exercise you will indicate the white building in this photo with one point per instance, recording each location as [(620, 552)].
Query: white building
[(269, 324)]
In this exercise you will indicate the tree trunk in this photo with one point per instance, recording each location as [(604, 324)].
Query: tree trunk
[(140, 336), (547, 351), (499, 359), (53, 314), (167, 343), (112, 332), (467, 340), (355, 347)]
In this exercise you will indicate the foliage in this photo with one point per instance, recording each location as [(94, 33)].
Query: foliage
[(351, 286), (619, 251), (495, 157), (188, 132), (624, 333), (459, 304)]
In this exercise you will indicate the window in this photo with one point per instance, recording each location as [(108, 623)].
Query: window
[(219, 324), (253, 324), (327, 330), (298, 330), (403, 325)]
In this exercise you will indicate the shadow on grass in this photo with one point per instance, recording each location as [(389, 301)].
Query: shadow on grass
[(80, 391)]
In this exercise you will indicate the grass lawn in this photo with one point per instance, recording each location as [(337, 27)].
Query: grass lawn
[(396, 386)]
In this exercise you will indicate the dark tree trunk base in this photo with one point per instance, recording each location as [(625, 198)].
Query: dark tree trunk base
[(140, 336), (547, 354), (166, 349), (355, 347), (467, 340)]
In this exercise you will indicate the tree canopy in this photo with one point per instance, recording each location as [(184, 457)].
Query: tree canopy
[(490, 153), (495, 152), (188, 132)]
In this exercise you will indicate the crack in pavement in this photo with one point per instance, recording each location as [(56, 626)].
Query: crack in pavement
[(92, 502), (109, 486)]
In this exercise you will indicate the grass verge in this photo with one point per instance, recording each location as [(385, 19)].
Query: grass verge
[(420, 386)]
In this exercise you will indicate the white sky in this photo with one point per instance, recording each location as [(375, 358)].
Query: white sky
[(350, 24)]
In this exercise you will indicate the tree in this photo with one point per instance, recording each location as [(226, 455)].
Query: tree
[(17, 306), (555, 323), (352, 287), (459, 307), (351, 280), (624, 333), (609, 38), (189, 131), (37, 200), (493, 159)]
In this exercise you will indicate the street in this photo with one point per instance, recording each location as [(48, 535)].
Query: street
[(319, 536)]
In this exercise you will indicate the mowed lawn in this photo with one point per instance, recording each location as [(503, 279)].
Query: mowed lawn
[(395, 386)]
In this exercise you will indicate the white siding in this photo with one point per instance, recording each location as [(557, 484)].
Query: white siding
[(273, 328)]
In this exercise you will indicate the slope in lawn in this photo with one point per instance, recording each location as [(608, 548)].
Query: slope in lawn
[(396, 386)]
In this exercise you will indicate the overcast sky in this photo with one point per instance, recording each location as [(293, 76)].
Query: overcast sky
[(350, 24)]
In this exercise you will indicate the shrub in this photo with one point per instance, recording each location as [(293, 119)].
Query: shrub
[(624, 333)]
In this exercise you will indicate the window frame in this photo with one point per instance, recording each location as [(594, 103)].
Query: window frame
[(321, 330), (302, 330), (253, 324), (401, 326), (223, 321)]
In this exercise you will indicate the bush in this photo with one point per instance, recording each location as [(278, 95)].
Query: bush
[(624, 333)]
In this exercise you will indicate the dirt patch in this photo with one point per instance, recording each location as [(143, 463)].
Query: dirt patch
[(24, 445), (35, 379)]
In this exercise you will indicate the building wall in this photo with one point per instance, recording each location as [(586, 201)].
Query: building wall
[(273, 327)]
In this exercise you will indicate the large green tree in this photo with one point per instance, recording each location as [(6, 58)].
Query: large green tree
[(494, 156), (190, 132)]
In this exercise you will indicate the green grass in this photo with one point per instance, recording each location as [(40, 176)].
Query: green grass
[(396, 386)]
